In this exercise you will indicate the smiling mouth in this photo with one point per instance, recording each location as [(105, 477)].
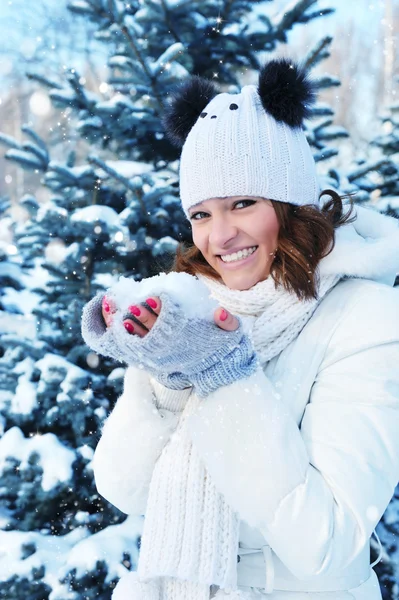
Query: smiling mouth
[(236, 257)]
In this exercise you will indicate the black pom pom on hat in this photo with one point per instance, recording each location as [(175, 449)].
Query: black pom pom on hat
[(186, 105), (286, 92)]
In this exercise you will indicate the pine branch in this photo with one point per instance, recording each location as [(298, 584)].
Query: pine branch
[(292, 16), (366, 168), (320, 52), (169, 21), (94, 160), (132, 43), (44, 81), (35, 137)]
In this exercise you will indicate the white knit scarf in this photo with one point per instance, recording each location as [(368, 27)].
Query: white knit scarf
[(190, 536), (278, 315)]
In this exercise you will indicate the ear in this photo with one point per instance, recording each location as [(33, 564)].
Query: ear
[(286, 92), (186, 105)]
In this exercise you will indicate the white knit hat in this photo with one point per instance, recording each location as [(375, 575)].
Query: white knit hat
[(251, 143)]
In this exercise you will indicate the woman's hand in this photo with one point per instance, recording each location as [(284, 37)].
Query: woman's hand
[(146, 313), (182, 350)]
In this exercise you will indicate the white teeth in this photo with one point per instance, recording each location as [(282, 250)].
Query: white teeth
[(238, 255)]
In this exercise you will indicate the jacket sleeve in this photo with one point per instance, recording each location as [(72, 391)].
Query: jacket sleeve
[(133, 437), (315, 493)]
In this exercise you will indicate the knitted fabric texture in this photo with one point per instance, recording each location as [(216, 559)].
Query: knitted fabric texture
[(106, 342), (178, 351), (236, 148), (190, 533), (277, 315)]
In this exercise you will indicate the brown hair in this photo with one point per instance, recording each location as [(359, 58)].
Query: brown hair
[(306, 236)]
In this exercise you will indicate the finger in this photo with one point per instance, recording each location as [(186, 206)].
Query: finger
[(133, 328), (153, 304), (143, 314), (108, 309), (225, 320)]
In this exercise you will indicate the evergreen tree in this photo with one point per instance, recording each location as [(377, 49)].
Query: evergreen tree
[(115, 213)]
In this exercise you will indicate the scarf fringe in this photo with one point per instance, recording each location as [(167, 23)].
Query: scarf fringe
[(234, 595), (130, 587)]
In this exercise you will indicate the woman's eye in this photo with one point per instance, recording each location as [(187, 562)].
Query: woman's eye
[(198, 216), (245, 203)]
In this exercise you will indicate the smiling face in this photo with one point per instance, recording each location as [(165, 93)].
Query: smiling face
[(237, 237)]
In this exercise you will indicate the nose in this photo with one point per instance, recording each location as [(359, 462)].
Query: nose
[(222, 231)]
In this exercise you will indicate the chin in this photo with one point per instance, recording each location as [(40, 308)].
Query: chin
[(243, 283)]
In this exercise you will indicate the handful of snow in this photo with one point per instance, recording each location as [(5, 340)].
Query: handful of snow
[(185, 290)]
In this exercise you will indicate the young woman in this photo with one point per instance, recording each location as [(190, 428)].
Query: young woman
[(262, 448)]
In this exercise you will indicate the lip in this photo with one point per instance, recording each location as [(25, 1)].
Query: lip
[(237, 264)]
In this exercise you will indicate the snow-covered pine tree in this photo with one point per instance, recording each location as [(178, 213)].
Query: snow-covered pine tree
[(115, 212), (388, 144), (374, 178)]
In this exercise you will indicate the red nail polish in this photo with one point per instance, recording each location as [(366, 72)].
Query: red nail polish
[(135, 310), (151, 302), (129, 327), (106, 306), (223, 315)]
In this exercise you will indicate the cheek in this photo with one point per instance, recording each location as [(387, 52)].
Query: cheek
[(269, 231), (199, 240)]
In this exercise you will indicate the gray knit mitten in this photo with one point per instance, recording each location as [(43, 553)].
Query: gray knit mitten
[(178, 351), (104, 341)]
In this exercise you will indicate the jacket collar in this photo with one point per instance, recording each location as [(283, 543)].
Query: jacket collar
[(367, 248)]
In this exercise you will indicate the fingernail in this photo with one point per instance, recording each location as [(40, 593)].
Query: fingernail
[(129, 327), (135, 310), (106, 306), (151, 302), (223, 315)]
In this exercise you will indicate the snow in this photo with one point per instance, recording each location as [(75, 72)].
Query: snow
[(78, 549), (104, 280), (129, 168), (110, 543), (55, 460), (387, 202), (79, 171), (24, 399), (25, 326), (51, 364), (184, 289), (116, 374), (10, 270), (168, 57), (49, 208), (120, 61), (56, 251), (86, 452), (25, 301), (80, 5), (50, 551), (66, 96), (94, 213), (176, 71), (118, 100), (165, 244)]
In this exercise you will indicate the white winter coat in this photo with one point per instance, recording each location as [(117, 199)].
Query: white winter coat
[(310, 469)]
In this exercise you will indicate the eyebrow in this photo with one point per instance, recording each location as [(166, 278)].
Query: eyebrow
[(195, 208), (200, 206)]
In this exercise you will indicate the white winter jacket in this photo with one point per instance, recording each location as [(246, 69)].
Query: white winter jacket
[(310, 469)]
